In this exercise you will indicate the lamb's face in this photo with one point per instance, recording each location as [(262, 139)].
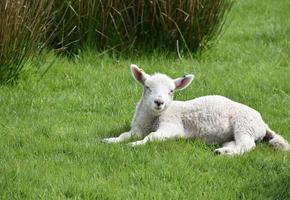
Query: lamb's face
[(159, 88), (158, 92)]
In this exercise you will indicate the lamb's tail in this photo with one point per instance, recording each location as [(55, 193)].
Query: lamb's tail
[(276, 140)]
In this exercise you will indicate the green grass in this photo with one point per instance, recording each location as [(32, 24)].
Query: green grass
[(50, 127)]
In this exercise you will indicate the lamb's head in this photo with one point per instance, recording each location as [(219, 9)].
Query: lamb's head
[(159, 88)]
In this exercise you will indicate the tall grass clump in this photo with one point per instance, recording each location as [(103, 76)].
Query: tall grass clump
[(23, 27), (123, 24), (26, 25)]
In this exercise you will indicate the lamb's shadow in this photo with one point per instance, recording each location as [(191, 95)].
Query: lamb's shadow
[(278, 188), (117, 131)]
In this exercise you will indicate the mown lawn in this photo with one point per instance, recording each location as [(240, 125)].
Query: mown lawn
[(50, 127)]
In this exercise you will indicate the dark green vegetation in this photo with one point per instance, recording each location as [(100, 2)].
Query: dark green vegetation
[(127, 24), (22, 33), (50, 127), (29, 26)]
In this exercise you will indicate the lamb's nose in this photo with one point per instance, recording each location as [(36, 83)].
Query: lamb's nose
[(159, 102)]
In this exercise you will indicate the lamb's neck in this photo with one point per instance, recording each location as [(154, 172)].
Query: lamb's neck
[(144, 112), (144, 118)]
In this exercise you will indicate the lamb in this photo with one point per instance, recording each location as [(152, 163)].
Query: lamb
[(214, 119)]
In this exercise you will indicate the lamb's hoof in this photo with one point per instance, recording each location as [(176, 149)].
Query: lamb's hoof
[(108, 140), (132, 144), (217, 152), (224, 151), (135, 144), (105, 140)]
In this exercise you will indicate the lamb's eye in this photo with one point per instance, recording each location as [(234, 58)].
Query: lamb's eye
[(171, 91), (147, 88)]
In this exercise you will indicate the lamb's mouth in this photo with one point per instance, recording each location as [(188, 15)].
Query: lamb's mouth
[(158, 108)]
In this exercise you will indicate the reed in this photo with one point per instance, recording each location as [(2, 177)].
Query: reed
[(27, 26), (23, 25), (139, 24)]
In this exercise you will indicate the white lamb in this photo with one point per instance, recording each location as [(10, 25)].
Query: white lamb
[(215, 119)]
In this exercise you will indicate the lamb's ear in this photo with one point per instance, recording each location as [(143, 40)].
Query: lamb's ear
[(138, 74), (183, 82)]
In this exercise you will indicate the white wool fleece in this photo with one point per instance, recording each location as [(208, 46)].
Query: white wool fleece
[(214, 119)]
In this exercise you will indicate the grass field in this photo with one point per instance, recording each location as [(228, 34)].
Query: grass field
[(50, 127)]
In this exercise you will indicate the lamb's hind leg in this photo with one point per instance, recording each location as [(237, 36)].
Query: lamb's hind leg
[(246, 130), (243, 142), (226, 148)]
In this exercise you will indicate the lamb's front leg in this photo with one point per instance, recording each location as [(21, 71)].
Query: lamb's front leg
[(170, 132), (124, 136)]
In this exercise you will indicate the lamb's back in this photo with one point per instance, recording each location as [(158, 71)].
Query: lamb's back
[(209, 117)]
